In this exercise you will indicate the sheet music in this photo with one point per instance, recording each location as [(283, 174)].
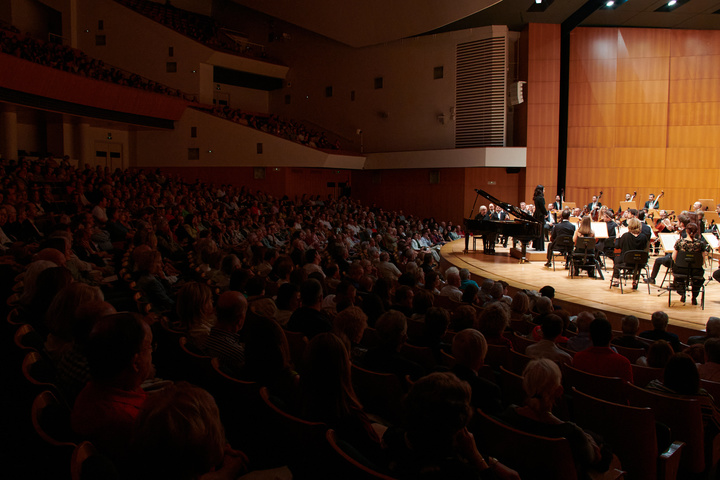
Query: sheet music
[(712, 240), (668, 240), (621, 230), (600, 229)]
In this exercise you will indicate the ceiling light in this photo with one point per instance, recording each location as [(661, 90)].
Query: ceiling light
[(610, 3), (538, 2), (671, 3)]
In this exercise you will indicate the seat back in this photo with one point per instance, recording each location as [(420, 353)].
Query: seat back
[(634, 443), (683, 416), (421, 355), (689, 260), (532, 456), (520, 343), (89, 464), (297, 342), (607, 388), (350, 464), (380, 393), (713, 388), (585, 246), (447, 360), (195, 366), (370, 338), (631, 354), (635, 258), (39, 371), (518, 362), (497, 356), (239, 403), (51, 420), (644, 375), (564, 244), (299, 442), (512, 387), (26, 338)]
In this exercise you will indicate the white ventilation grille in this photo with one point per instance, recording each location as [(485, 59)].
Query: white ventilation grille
[(480, 93)]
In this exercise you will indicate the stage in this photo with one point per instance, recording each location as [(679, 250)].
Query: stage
[(584, 293)]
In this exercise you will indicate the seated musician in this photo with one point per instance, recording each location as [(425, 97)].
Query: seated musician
[(489, 237), (606, 215), (652, 203), (692, 243), (666, 261), (594, 205), (584, 230), (562, 228), (632, 240)]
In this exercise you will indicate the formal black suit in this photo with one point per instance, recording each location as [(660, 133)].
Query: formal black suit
[(557, 205), (564, 228), (648, 207)]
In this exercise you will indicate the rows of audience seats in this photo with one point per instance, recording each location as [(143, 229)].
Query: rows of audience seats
[(61, 57), (301, 332), (287, 129), (198, 27)]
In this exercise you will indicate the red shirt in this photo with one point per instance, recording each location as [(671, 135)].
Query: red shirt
[(603, 361), (106, 415)]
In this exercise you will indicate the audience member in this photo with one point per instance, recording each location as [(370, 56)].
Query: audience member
[(469, 349), (630, 326), (223, 341), (710, 370), (600, 359), (309, 319), (547, 348), (659, 321)]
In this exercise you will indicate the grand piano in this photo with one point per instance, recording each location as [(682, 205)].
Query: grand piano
[(523, 228)]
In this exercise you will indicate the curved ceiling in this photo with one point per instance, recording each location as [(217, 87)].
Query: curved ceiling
[(360, 23)]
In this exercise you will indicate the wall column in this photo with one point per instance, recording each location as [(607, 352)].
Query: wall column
[(84, 148), (8, 132)]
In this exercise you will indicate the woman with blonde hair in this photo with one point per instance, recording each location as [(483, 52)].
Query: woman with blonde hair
[(543, 387)]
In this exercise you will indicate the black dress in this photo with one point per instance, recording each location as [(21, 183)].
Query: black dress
[(540, 215)]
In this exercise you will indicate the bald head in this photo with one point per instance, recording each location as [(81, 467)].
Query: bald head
[(52, 255), (231, 308)]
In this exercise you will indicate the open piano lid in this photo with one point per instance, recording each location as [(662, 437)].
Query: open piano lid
[(509, 208)]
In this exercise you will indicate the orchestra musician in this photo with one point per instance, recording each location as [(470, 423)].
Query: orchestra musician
[(562, 228), (632, 240), (557, 204), (664, 224), (666, 261), (692, 243), (652, 203), (594, 205), (539, 215), (607, 243)]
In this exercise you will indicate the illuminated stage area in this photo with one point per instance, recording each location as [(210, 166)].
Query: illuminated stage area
[(584, 293)]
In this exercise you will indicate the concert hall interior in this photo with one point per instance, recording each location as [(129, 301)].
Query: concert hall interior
[(351, 139)]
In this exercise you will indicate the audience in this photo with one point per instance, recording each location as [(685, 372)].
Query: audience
[(659, 321), (710, 370), (551, 329), (223, 342), (600, 359)]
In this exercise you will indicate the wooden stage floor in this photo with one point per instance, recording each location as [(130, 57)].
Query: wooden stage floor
[(583, 293)]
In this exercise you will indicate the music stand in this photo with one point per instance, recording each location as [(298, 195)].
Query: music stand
[(570, 205), (574, 220), (714, 243), (708, 202), (711, 215), (600, 229), (628, 205), (668, 240)]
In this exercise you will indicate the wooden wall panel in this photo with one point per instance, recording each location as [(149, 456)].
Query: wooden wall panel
[(549, 115), (706, 113), (648, 91), (593, 43), (593, 70), (690, 68), (688, 43), (542, 108), (599, 115), (689, 91), (591, 93), (544, 70), (707, 157), (695, 136), (543, 93), (630, 158), (643, 42), (641, 114), (642, 136), (643, 69), (591, 137)]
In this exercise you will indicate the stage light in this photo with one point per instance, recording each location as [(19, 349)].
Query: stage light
[(610, 3), (671, 3), (538, 1)]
